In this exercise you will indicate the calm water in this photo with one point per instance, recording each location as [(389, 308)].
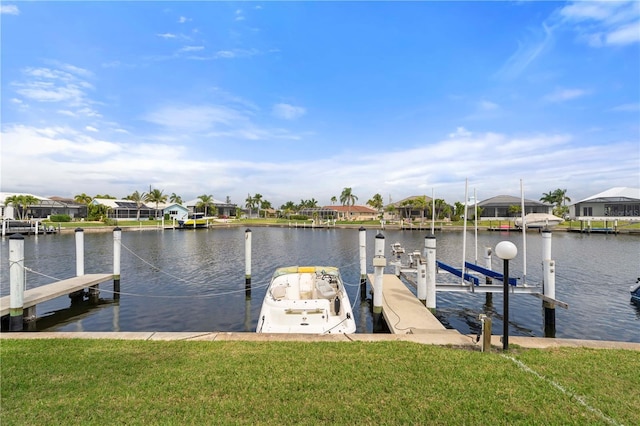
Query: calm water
[(194, 280)]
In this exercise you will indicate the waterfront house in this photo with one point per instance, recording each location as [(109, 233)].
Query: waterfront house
[(175, 211), (42, 209), (621, 203), (125, 209), (503, 207), (220, 208)]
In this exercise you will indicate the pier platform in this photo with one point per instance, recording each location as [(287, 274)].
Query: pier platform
[(405, 314), (46, 292)]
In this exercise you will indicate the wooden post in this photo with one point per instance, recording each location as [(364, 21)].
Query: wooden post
[(430, 249), (486, 333), (247, 263), (379, 262), (117, 250), (16, 278), (548, 285), (362, 240), (79, 252)]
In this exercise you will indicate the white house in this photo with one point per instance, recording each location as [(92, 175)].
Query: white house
[(620, 203), (176, 211)]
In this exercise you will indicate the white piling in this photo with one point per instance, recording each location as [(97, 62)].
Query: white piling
[(79, 252), (487, 262), (379, 262), (422, 280), (362, 243), (36, 230), (117, 251), (247, 262), (548, 285), (4, 227), (430, 249), (16, 278)]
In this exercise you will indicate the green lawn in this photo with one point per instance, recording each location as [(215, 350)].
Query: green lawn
[(58, 381)]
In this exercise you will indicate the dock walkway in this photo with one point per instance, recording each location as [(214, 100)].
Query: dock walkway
[(405, 314), (46, 292)]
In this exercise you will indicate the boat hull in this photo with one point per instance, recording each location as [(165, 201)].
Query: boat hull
[(309, 300)]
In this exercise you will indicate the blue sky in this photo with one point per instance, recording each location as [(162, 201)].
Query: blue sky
[(298, 100)]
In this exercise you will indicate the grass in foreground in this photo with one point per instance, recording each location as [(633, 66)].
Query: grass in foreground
[(145, 382)]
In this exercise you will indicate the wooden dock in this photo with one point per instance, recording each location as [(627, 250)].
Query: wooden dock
[(403, 312), (46, 292)]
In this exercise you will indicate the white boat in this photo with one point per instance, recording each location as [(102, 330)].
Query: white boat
[(306, 299), (539, 220)]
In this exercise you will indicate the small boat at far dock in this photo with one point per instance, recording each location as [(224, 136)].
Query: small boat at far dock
[(635, 292), (306, 299), (539, 220), (196, 220)]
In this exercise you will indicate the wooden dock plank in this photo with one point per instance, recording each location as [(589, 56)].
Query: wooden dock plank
[(402, 310), (46, 292)]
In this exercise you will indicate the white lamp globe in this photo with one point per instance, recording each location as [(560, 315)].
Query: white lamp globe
[(506, 250)]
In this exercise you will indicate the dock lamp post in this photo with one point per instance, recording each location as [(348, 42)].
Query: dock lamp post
[(506, 251)]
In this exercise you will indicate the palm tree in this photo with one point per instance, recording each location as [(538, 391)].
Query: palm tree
[(265, 205), (174, 198), (137, 198), (205, 202), (349, 199), (156, 196), (82, 198), (257, 201), (288, 208), (333, 200), (249, 203), (21, 203)]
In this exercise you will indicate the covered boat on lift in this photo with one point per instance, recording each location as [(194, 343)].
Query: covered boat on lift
[(306, 299)]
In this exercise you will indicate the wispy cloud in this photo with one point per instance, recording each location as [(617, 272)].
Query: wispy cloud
[(488, 106), (191, 48), (239, 15), (630, 107), (288, 112), (561, 95), (527, 52), (183, 19), (90, 129), (9, 9), (167, 35), (604, 23)]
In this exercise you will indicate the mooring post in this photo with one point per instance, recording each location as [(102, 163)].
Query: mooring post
[(79, 252), (247, 263), (362, 239), (117, 251), (422, 279), (430, 249), (379, 262), (16, 278), (486, 333), (35, 232), (4, 227), (548, 285)]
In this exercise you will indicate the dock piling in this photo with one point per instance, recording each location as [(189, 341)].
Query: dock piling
[(79, 252), (548, 285), (16, 277), (117, 250), (430, 254), (379, 262), (362, 237), (247, 263), (486, 333)]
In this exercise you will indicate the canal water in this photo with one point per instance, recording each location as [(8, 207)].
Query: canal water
[(194, 280)]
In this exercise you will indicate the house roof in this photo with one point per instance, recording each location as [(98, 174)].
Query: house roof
[(413, 197), (619, 193), (508, 200), (352, 209), (118, 204)]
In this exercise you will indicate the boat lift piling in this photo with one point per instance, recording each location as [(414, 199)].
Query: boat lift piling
[(430, 254), (16, 272), (487, 264), (548, 285), (362, 236), (379, 262), (247, 263), (117, 250)]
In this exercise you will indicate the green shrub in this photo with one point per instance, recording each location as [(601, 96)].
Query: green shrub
[(60, 218)]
